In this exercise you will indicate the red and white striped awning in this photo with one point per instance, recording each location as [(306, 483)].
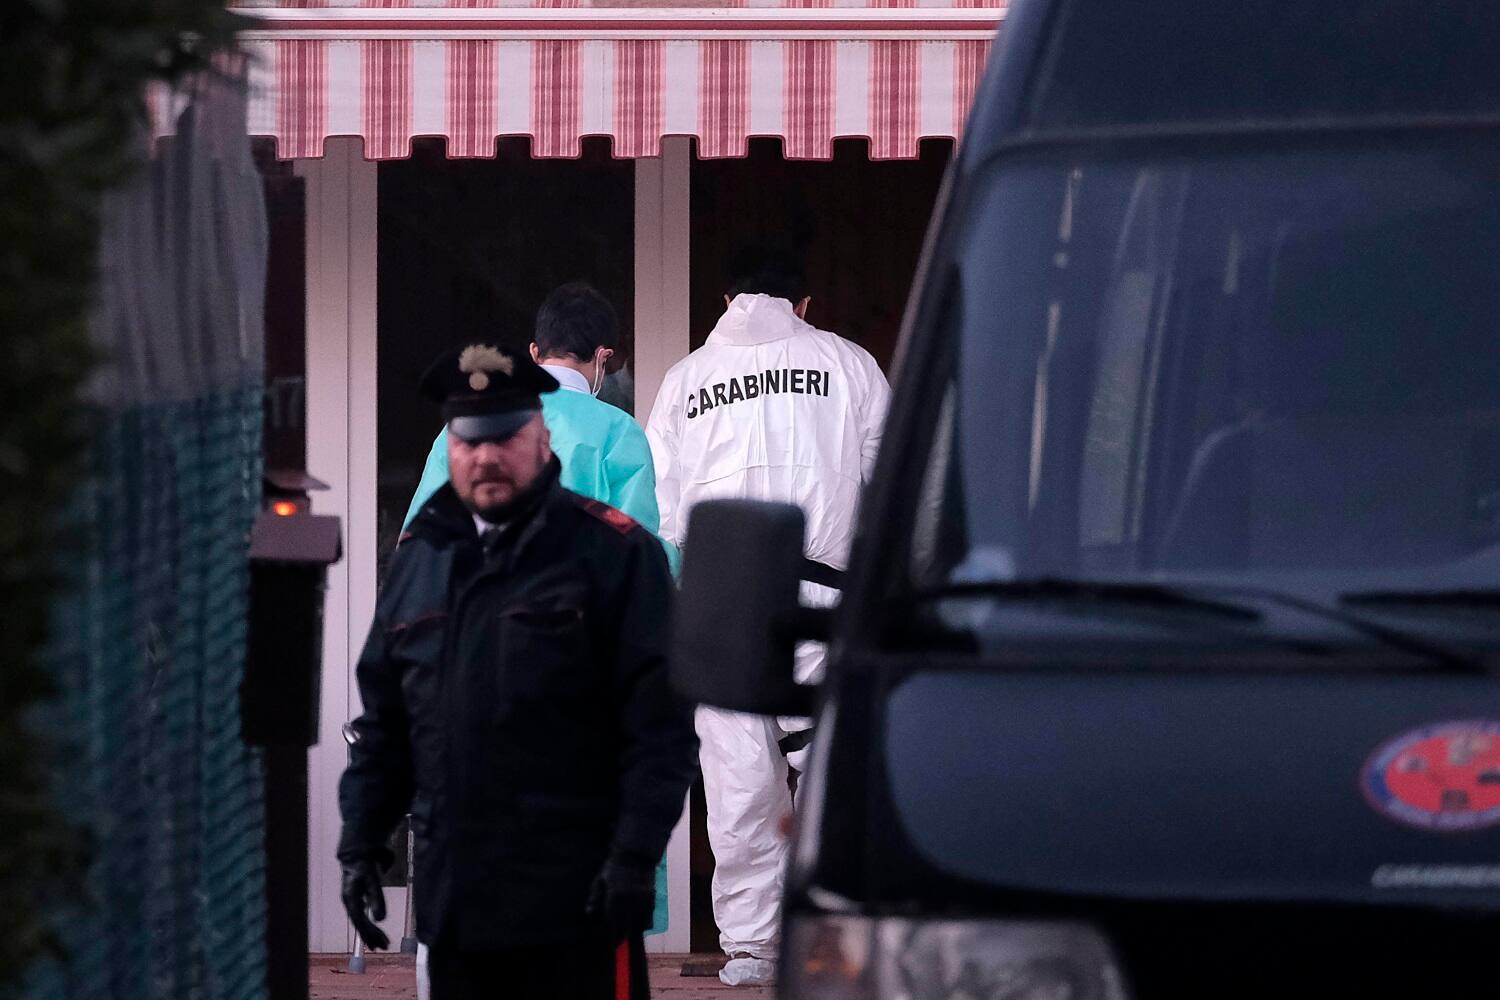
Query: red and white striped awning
[(808, 74)]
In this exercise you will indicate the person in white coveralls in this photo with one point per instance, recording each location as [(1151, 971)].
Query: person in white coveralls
[(769, 408)]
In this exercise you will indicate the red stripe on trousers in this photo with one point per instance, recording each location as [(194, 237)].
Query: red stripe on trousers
[(638, 97), (808, 100), (385, 108), (555, 67), (471, 84), (622, 971), (301, 98), (723, 98)]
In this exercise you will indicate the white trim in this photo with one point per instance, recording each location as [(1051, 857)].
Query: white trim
[(513, 88), (341, 450), (622, 34), (937, 90), (345, 88), (429, 82), (851, 90), (261, 106), (679, 88), (596, 77), (767, 66), (620, 15), (662, 267), (938, 23), (662, 205)]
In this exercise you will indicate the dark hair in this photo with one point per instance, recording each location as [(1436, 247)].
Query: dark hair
[(575, 321), (762, 270)]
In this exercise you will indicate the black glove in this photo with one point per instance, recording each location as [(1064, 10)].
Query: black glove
[(624, 896), (362, 891)]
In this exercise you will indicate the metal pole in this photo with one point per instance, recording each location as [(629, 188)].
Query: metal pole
[(357, 958), (408, 932)]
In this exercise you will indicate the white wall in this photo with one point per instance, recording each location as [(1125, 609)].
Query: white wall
[(662, 196), (341, 451)]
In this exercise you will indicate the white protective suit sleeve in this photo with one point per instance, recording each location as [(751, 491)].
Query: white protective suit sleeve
[(661, 434), (872, 415)]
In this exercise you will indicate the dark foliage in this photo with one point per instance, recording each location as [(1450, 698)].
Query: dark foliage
[(73, 75)]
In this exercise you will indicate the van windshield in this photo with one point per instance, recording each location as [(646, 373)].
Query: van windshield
[(1247, 364)]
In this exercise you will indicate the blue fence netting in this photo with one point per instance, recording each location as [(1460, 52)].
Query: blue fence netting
[(149, 646)]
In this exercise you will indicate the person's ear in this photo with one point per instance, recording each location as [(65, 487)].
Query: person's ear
[(801, 307), (727, 301), (603, 355), (536, 353)]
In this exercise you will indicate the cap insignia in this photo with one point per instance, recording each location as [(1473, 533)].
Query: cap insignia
[(478, 361)]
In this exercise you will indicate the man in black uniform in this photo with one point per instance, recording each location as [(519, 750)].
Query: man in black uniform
[(516, 704)]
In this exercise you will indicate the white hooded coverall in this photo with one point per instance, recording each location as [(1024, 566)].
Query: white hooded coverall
[(770, 408)]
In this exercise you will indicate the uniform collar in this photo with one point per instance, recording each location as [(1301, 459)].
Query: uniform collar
[(757, 319), (568, 378)]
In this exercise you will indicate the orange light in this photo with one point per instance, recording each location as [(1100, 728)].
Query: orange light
[(283, 508)]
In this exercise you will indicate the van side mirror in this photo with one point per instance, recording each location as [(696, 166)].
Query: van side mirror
[(738, 617)]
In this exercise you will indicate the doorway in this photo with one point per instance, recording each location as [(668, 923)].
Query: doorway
[(468, 249)]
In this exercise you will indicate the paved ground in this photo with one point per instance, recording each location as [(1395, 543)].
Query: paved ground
[(392, 977)]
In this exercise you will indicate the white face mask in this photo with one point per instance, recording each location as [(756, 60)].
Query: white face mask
[(598, 382)]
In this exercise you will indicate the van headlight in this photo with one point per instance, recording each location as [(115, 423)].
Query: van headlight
[(842, 958)]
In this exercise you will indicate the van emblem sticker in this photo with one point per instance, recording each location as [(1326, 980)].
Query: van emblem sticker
[(1442, 777)]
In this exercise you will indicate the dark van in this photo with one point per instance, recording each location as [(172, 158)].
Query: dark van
[(1165, 665)]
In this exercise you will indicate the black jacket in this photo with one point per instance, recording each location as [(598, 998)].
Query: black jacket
[(516, 703)]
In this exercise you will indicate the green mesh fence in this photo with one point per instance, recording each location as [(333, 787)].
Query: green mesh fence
[(150, 645)]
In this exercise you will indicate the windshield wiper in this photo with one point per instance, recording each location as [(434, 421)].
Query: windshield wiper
[(1477, 598), (1045, 588), (1204, 599), (1393, 637)]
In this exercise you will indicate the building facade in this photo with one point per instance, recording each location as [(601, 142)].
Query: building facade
[(435, 167)]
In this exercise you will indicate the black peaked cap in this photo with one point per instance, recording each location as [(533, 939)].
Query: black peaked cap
[(486, 392)]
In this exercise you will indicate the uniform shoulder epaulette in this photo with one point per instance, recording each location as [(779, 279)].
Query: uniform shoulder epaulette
[(617, 519)]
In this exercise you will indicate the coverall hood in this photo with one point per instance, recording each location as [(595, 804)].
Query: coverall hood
[(759, 319)]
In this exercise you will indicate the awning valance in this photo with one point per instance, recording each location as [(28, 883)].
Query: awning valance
[(634, 74)]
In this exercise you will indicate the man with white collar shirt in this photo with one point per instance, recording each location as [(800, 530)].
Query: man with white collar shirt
[(603, 451)]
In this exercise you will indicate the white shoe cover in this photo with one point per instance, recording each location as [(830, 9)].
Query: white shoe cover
[(748, 972)]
